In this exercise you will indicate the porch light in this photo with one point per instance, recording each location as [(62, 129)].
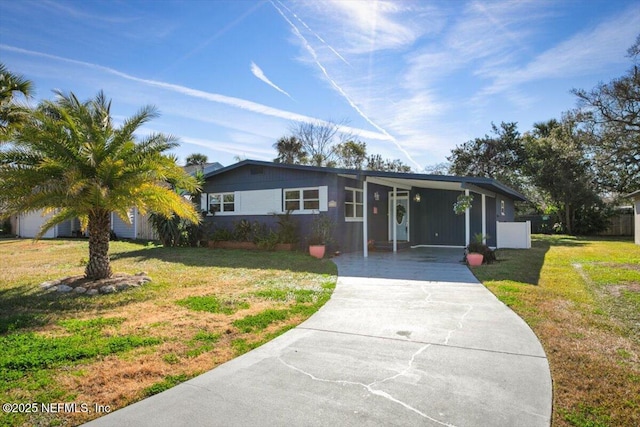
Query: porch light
[(376, 196), (417, 198)]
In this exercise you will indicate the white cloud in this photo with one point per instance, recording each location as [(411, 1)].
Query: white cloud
[(257, 71), (584, 53)]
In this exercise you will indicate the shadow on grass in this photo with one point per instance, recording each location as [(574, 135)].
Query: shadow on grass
[(28, 306), (524, 265), (22, 307), (232, 258)]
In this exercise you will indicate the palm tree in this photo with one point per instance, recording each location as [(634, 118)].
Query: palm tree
[(71, 160), (196, 159), (290, 150), (11, 113)]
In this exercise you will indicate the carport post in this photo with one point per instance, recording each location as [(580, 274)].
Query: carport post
[(467, 222), (365, 220), (395, 218), (484, 219)]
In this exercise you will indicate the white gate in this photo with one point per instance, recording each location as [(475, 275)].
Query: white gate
[(514, 235)]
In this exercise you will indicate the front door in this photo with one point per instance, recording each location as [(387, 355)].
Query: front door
[(402, 216)]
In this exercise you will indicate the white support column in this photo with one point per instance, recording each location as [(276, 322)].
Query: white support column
[(394, 229), (365, 220), (467, 222), (484, 219)]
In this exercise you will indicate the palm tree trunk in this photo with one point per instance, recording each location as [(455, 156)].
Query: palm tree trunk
[(99, 266)]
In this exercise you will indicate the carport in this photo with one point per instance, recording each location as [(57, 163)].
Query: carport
[(428, 202)]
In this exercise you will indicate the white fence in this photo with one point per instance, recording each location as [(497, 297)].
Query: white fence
[(514, 235)]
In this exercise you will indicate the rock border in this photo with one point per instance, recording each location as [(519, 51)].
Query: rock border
[(80, 285)]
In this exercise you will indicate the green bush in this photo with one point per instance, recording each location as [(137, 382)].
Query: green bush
[(288, 228), (477, 246)]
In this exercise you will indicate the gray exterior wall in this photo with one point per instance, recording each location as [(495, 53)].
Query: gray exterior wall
[(265, 177), (491, 221), (433, 221), (378, 212)]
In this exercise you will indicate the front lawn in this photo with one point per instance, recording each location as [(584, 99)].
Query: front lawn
[(581, 296), (203, 308)]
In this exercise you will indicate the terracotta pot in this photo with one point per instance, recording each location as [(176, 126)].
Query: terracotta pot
[(474, 259), (317, 251)]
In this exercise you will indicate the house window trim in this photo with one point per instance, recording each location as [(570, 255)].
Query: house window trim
[(221, 196), (301, 200), (355, 204)]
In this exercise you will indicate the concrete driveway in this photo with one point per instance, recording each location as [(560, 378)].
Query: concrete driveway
[(406, 339)]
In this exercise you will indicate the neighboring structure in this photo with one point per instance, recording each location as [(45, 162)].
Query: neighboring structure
[(205, 168), (635, 197), (364, 205), (28, 224)]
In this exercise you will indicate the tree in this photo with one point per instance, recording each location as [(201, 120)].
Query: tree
[(612, 110), (320, 141), (290, 151), (11, 113), (196, 159), (351, 154), (441, 168), (69, 159), (557, 164), (375, 162), (498, 157)]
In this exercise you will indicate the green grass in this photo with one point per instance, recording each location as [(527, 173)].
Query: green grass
[(260, 321), (213, 304), (581, 296), (166, 384), (23, 352), (56, 348)]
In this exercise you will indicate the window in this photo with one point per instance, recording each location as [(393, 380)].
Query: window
[(502, 207), (222, 202), (303, 199), (353, 204)]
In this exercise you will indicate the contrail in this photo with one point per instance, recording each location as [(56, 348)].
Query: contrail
[(314, 33), (341, 91), (195, 93), (257, 71)]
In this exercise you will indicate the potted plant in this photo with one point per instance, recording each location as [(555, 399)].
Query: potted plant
[(478, 252), (321, 235), (462, 204)]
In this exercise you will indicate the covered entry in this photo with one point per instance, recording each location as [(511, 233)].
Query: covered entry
[(419, 209)]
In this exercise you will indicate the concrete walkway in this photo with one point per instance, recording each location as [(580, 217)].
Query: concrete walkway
[(406, 339)]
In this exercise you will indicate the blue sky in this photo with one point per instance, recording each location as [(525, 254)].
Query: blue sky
[(411, 79)]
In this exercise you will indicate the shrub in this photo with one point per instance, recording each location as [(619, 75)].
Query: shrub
[(288, 228), (477, 246), (221, 234), (269, 241), (242, 231)]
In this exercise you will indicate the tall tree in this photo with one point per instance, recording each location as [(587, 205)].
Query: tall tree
[(352, 154), (375, 162), (69, 159), (557, 164), (196, 159), (497, 157), (320, 140), (12, 86), (613, 112), (290, 151)]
